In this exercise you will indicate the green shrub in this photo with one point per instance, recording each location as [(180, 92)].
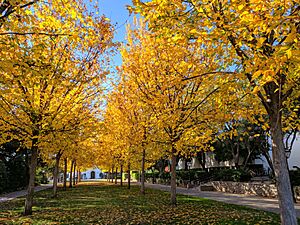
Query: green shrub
[(40, 177), (135, 175), (3, 177), (295, 177), (17, 172), (237, 175)]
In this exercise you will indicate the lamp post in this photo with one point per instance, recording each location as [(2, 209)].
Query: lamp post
[(189, 164), (152, 174), (287, 153)]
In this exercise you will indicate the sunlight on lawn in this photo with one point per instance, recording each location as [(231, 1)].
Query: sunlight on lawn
[(104, 203)]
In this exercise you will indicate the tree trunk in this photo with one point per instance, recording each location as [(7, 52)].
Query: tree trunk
[(186, 167), (121, 171), (32, 170), (237, 156), (79, 176), (116, 176), (202, 159), (173, 177), (249, 153), (74, 174), (129, 177), (55, 173), (143, 172), (27, 166), (269, 160), (285, 198), (112, 174), (71, 174), (65, 174)]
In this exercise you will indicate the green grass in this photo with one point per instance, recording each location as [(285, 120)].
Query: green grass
[(109, 204)]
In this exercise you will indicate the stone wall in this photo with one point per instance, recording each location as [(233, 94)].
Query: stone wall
[(297, 192), (253, 188), (259, 189)]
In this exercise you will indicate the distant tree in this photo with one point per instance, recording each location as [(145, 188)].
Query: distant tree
[(242, 142), (14, 166)]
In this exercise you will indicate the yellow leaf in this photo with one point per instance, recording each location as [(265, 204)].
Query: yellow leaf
[(193, 31), (256, 74), (256, 90), (289, 53)]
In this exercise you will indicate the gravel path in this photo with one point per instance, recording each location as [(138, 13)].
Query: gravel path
[(267, 204), (16, 194)]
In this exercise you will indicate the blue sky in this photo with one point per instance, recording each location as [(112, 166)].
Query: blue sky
[(116, 11)]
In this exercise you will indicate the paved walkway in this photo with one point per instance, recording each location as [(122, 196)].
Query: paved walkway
[(267, 204), (16, 194)]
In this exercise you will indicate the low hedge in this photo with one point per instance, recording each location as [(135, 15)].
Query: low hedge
[(295, 177), (237, 175)]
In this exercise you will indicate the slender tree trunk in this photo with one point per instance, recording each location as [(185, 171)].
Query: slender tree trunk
[(202, 159), (65, 174), (269, 160), (71, 174), (185, 164), (237, 156), (27, 166), (55, 173), (116, 176), (129, 176), (121, 171), (74, 174), (173, 177), (249, 153), (32, 170), (79, 176), (143, 172), (112, 174), (285, 198), (246, 160)]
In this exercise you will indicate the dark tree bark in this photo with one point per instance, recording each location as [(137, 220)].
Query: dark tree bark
[(249, 154), (74, 174), (121, 171), (143, 172), (112, 174), (32, 170), (116, 175), (71, 174), (55, 173), (202, 159), (173, 177), (186, 164), (129, 176), (65, 174)]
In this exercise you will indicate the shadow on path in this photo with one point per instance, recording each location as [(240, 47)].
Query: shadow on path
[(266, 204)]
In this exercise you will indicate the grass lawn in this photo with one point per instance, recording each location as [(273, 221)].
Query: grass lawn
[(108, 204)]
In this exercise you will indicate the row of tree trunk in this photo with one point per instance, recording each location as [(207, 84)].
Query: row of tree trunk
[(74, 175)]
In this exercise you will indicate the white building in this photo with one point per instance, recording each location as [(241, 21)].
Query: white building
[(293, 161), (91, 174)]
